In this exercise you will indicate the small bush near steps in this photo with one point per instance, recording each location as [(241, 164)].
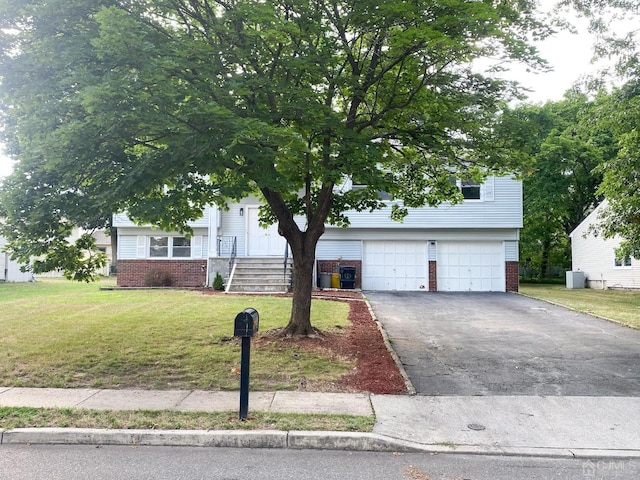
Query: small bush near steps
[(218, 283)]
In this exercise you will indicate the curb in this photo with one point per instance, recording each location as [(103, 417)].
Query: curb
[(385, 337), (294, 440)]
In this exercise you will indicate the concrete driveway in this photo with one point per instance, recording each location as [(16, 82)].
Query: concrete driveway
[(506, 344)]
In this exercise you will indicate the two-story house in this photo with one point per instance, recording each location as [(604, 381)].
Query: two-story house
[(470, 246)]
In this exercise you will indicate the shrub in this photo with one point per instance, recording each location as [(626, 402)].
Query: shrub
[(218, 284), (157, 278)]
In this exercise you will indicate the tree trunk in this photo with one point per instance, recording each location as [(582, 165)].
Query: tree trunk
[(114, 248), (544, 260), (300, 320), (303, 248)]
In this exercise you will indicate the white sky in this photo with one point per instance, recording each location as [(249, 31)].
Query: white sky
[(568, 54)]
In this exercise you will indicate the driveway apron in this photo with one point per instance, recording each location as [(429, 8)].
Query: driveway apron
[(506, 344)]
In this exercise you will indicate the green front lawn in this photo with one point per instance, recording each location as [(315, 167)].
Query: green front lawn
[(621, 306), (55, 333)]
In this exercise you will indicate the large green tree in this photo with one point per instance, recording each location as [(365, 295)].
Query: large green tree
[(561, 187), (616, 23), (160, 107), (621, 173)]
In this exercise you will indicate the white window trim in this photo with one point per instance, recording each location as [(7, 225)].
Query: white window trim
[(169, 248), (624, 265)]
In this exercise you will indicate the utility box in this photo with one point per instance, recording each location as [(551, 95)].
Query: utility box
[(246, 323), (575, 279), (347, 276)]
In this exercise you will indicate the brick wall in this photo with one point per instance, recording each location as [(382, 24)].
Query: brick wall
[(512, 276), (433, 276), (173, 273), (333, 266)]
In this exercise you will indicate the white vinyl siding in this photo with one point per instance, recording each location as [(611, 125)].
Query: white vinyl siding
[(511, 253), (595, 256), (339, 249), (501, 207), (395, 265), (122, 220)]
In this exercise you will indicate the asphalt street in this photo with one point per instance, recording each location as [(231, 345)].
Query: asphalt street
[(82, 462), (506, 344)]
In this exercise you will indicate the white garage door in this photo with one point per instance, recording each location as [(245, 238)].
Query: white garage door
[(471, 266), (394, 265)]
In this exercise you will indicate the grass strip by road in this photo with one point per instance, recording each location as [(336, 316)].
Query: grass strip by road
[(620, 306), (27, 417), (56, 333)]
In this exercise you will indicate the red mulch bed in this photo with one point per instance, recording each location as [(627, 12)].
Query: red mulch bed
[(375, 369)]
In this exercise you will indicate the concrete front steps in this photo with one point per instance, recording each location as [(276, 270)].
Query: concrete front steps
[(260, 275)]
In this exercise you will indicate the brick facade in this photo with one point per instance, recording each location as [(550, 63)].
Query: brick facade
[(333, 266), (162, 273), (433, 276), (512, 276)]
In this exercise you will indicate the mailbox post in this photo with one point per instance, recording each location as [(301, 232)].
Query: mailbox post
[(245, 326)]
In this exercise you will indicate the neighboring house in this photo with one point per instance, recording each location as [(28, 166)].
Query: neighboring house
[(472, 246), (103, 243), (9, 269), (597, 257)]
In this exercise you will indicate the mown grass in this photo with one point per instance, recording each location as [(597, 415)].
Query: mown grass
[(621, 306), (55, 333), (26, 417)]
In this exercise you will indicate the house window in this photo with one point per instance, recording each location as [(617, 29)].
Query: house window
[(169, 247), (470, 190), (620, 261), (159, 247), (181, 247), (381, 194)]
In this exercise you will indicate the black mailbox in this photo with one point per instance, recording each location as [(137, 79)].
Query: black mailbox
[(246, 323)]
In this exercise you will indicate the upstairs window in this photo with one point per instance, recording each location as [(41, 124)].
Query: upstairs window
[(381, 194), (470, 190)]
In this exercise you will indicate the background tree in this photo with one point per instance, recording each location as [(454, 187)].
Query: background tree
[(616, 23), (160, 107), (621, 173), (560, 190)]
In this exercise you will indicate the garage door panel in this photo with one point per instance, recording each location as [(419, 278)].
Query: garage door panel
[(394, 265), (470, 266)]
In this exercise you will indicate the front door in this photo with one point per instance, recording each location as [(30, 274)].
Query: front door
[(263, 242)]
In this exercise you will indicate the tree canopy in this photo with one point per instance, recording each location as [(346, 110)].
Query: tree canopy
[(160, 107), (615, 22), (566, 145)]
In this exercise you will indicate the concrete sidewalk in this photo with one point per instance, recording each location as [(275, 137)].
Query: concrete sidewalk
[(186, 401), (588, 427)]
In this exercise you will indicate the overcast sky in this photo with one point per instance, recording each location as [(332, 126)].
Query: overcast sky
[(568, 54)]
